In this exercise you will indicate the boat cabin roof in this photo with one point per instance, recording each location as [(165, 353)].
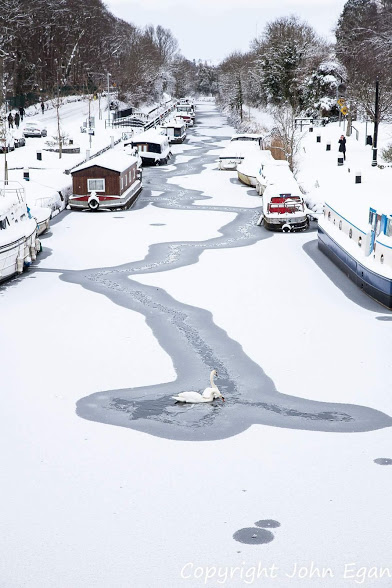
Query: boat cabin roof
[(114, 160), (176, 124), (246, 137), (149, 137)]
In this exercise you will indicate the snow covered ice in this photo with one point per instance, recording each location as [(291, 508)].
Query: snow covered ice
[(125, 308)]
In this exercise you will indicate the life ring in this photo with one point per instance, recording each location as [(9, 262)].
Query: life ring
[(93, 202), (286, 228)]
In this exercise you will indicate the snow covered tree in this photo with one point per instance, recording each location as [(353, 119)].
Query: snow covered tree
[(364, 46), (285, 133), (286, 52)]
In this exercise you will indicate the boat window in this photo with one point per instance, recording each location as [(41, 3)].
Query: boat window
[(350, 233), (3, 223), (334, 221), (97, 185), (382, 258), (329, 215), (154, 148), (360, 241), (340, 225)]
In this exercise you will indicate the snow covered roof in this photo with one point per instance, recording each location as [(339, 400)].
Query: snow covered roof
[(246, 137), (176, 123), (239, 149), (252, 162), (114, 160), (149, 137)]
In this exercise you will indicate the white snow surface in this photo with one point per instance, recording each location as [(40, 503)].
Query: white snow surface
[(86, 504)]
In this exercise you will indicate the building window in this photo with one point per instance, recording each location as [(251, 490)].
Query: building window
[(340, 225), (350, 233), (96, 185)]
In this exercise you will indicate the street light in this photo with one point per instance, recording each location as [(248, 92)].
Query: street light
[(108, 77), (3, 55), (376, 120)]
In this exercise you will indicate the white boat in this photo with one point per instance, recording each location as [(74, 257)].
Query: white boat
[(250, 166), (19, 243), (235, 153), (175, 130), (271, 171), (358, 238), (153, 147), (283, 206), (42, 217), (255, 137), (186, 109), (186, 117)]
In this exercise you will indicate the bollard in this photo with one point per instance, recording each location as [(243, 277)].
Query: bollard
[(358, 177), (26, 175), (340, 160), (310, 129), (318, 138), (71, 141), (39, 155), (328, 147)]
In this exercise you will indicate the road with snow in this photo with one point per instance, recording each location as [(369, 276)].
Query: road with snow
[(109, 482)]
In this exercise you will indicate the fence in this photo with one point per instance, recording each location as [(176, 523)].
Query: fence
[(68, 171)]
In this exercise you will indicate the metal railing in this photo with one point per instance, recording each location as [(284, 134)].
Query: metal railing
[(68, 171)]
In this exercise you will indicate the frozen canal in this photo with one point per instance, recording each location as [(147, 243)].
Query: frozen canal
[(107, 481)]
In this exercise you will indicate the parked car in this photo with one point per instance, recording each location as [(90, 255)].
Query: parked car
[(19, 139), (7, 143), (34, 129)]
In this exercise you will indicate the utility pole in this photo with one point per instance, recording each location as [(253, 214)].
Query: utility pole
[(3, 123), (376, 121), (108, 76)]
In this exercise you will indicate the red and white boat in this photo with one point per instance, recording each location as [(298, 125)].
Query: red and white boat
[(283, 207)]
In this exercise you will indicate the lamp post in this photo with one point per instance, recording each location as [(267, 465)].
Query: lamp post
[(3, 130), (376, 120), (108, 80)]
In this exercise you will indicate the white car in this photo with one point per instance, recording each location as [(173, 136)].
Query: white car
[(34, 129)]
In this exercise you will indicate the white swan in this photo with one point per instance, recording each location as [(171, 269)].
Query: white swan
[(208, 395)]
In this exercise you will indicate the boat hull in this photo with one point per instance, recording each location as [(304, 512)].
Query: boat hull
[(10, 252), (288, 225), (108, 202), (373, 284), (247, 180)]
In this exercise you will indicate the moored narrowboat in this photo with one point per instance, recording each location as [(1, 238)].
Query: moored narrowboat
[(175, 130), (111, 180), (153, 147)]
